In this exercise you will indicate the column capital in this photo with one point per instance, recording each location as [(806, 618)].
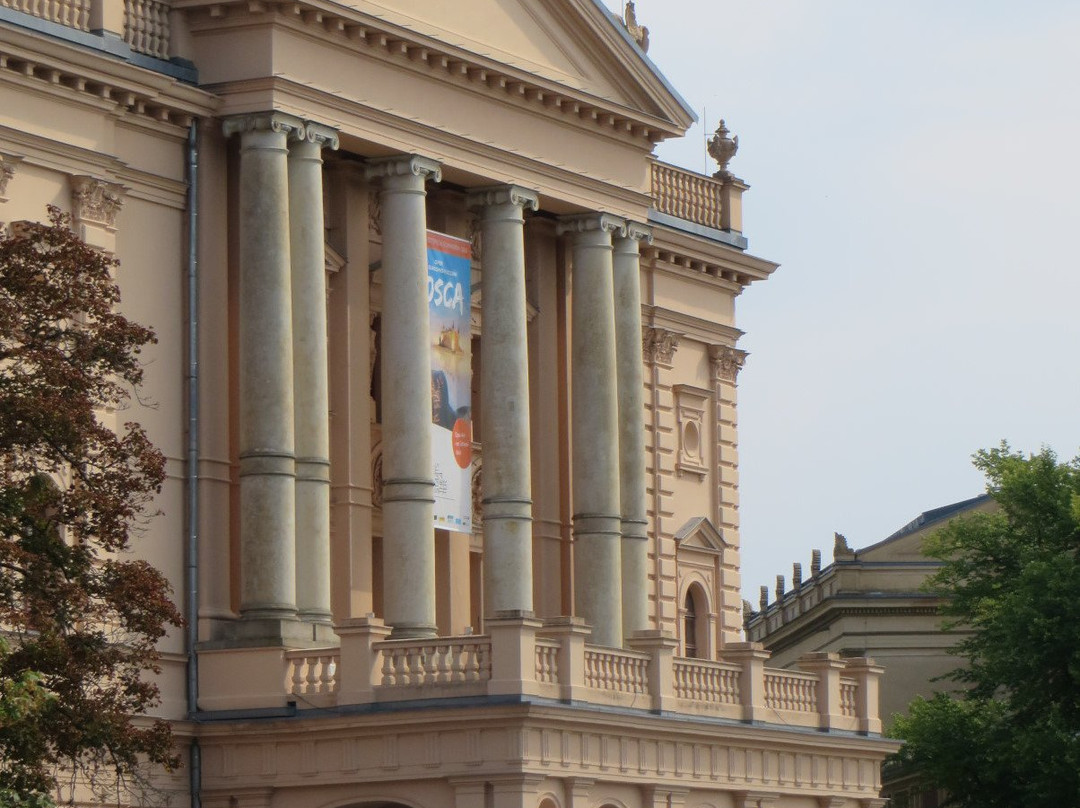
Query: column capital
[(487, 196), (320, 134), (7, 171), (402, 165), (658, 345), (277, 122), (726, 362), (96, 201), (636, 231), (589, 222)]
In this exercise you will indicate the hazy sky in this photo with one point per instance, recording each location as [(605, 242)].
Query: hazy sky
[(915, 170)]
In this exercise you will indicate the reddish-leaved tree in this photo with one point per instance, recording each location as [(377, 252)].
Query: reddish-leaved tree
[(80, 617)]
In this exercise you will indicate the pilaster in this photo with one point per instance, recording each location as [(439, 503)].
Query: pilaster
[(726, 362)]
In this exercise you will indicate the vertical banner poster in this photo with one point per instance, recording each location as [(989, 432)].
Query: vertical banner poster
[(449, 297)]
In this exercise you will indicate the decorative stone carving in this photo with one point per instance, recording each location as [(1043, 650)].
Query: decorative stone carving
[(691, 404), (722, 149), (841, 550), (815, 563), (476, 239), (763, 598), (96, 202), (377, 476), (375, 212), (7, 171), (639, 33), (796, 575), (477, 490), (726, 362), (779, 587), (658, 345)]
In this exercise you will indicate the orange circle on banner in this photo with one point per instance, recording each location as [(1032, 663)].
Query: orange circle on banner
[(462, 439)]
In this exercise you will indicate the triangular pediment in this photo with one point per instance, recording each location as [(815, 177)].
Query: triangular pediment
[(576, 44), (700, 534)]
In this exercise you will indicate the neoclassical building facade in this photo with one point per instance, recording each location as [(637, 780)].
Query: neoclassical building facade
[(269, 173)]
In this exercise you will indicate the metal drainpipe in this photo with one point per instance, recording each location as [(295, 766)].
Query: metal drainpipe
[(191, 571)]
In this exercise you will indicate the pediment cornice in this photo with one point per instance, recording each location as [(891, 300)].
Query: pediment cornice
[(377, 38)]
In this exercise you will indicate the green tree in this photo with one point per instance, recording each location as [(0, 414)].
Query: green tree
[(79, 616), (1010, 733)]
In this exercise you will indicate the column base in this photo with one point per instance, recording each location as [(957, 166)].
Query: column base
[(271, 633), (413, 631)]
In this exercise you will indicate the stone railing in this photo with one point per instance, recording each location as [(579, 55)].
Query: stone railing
[(703, 681), (441, 661), (146, 27), (144, 24), (849, 690), (312, 675), (697, 198), (547, 661), (791, 691), (551, 660), (70, 13), (618, 671)]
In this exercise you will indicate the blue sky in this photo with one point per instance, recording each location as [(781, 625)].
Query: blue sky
[(915, 168)]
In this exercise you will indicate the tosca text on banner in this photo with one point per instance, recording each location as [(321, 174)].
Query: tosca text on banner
[(449, 296)]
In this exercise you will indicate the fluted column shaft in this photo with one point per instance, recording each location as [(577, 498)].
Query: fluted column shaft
[(267, 465), (408, 487), (504, 394), (631, 392), (310, 372), (594, 415)]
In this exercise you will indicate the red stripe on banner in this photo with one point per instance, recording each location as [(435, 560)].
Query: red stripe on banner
[(449, 244)]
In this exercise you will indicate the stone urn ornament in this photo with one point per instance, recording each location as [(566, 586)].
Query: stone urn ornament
[(722, 148)]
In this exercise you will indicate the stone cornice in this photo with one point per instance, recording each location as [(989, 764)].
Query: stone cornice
[(706, 331), (358, 31), (60, 69), (727, 266)]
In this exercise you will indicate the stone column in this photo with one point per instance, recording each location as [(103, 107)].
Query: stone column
[(629, 372), (504, 391), (595, 433), (408, 487), (310, 372), (267, 457)]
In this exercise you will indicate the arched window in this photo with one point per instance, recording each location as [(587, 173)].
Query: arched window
[(694, 620)]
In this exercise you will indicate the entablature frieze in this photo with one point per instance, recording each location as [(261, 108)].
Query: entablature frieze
[(533, 740), (466, 160), (351, 28)]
